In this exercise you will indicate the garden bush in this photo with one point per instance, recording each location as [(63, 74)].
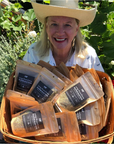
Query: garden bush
[(100, 34), (10, 51)]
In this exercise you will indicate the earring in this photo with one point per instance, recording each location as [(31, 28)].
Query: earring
[(74, 43)]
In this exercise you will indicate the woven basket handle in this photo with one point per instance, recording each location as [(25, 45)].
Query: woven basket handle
[(110, 140)]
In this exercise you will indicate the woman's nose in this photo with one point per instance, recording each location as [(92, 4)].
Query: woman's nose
[(60, 30)]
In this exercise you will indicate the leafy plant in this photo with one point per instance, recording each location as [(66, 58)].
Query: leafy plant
[(14, 39), (10, 51), (100, 34), (12, 20)]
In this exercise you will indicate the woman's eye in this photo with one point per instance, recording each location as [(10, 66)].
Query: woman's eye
[(54, 24), (67, 25)]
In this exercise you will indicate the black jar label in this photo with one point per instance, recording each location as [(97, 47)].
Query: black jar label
[(24, 82), (81, 114), (33, 121), (59, 133), (82, 128), (41, 92), (77, 95)]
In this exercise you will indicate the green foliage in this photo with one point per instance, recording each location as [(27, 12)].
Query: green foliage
[(14, 39), (12, 20), (46, 1), (10, 51), (29, 15), (25, 0), (100, 35)]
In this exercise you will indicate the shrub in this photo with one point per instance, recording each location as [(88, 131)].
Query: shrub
[(14, 39), (100, 34), (10, 51)]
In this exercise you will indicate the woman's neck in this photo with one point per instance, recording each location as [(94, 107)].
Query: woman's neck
[(61, 58)]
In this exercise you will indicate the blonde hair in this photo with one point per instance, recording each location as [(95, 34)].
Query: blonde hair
[(43, 45)]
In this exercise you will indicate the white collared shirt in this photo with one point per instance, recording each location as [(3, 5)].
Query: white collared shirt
[(91, 60)]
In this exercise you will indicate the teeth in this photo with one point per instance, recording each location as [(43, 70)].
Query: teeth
[(60, 39)]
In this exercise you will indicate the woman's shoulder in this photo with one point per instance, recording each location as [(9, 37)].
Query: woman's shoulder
[(90, 50), (32, 46), (30, 54)]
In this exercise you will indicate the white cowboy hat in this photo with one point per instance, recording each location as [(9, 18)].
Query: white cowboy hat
[(68, 8)]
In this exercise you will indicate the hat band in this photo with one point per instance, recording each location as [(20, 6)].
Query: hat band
[(73, 4)]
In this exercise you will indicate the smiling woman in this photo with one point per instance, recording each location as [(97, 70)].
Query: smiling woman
[(61, 39), (61, 32)]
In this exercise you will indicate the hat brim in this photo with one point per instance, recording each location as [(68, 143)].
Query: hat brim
[(84, 16)]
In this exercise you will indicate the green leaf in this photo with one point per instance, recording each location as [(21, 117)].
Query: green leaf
[(108, 49), (22, 54), (17, 5), (106, 60), (112, 74), (109, 26), (104, 7), (110, 15), (111, 7), (26, 1), (29, 15), (93, 41), (1, 13), (112, 38), (46, 1), (19, 28), (98, 25), (6, 24), (13, 7), (86, 33), (15, 18)]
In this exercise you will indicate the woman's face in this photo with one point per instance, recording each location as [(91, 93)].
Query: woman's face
[(61, 32)]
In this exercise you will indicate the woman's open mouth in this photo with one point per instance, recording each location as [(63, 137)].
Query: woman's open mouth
[(60, 39)]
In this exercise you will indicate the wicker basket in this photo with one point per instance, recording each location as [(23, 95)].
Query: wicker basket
[(6, 118)]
